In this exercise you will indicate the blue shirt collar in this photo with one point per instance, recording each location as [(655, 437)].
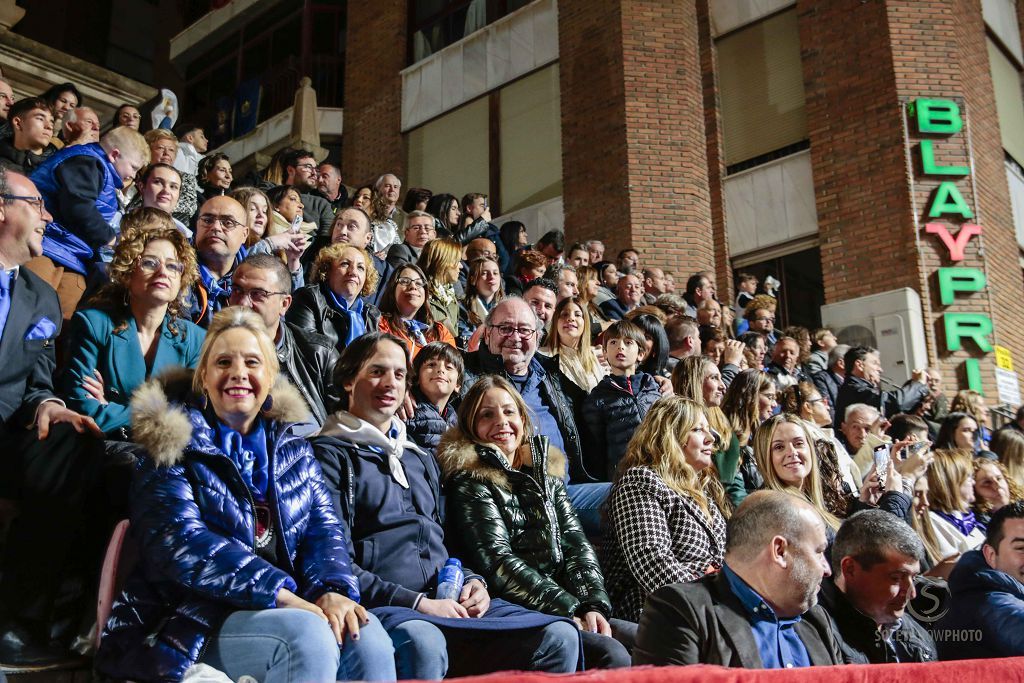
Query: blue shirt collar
[(756, 606)]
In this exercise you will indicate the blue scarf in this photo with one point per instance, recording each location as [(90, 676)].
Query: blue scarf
[(356, 324), (416, 331), (965, 523), (249, 453), (218, 291)]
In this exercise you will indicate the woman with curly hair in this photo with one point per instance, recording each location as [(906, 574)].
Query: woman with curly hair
[(135, 327), (333, 304), (666, 509)]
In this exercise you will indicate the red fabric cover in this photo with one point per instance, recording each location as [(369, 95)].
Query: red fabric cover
[(968, 671)]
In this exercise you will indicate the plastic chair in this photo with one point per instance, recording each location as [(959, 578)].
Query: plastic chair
[(111, 578)]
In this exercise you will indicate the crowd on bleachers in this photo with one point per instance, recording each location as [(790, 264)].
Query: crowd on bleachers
[(364, 434)]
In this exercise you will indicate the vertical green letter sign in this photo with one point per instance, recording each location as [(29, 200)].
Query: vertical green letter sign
[(937, 116)]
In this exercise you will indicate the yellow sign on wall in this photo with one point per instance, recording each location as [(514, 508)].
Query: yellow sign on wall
[(1004, 359)]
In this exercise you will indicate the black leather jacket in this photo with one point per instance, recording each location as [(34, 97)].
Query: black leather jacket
[(557, 390), (308, 359), (310, 312), (862, 643)]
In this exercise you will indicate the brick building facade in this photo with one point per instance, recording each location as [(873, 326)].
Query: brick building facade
[(645, 142)]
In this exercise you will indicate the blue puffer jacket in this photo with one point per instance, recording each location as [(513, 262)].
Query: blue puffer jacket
[(986, 612), (194, 524), (66, 242)]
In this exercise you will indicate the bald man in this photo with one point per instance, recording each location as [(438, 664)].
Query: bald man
[(220, 233)]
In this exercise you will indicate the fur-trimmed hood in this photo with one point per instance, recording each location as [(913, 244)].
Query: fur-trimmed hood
[(485, 462), (165, 415)]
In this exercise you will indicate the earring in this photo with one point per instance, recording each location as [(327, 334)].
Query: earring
[(268, 404), (126, 295)]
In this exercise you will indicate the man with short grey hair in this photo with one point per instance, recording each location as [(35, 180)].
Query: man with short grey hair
[(760, 611), (876, 557), (596, 249)]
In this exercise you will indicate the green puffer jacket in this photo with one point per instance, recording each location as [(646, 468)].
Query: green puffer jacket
[(519, 530)]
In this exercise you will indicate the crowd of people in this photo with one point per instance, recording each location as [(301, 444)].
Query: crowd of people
[(362, 435)]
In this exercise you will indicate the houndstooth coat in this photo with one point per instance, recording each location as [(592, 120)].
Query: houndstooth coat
[(656, 537)]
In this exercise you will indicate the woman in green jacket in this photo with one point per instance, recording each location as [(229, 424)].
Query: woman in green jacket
[(510, 509)]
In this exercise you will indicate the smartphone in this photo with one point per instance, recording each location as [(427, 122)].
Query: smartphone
[(881, 456)]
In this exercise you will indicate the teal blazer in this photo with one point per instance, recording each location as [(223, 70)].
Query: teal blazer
[(93, 344)]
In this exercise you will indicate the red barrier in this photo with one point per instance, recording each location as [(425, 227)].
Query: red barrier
[(968, 671)]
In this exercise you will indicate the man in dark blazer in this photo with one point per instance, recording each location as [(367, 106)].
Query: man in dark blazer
[(48, 461), (760, 611), (419, 229)]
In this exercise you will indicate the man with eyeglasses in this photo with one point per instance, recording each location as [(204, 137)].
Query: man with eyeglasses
[(301, 172), (763, 320), (419, 229), (220, 233), (509, 349), (262, 282), (49, 454)]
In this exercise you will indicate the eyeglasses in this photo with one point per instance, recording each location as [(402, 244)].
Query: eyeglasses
[(509, 330), (421, 228), (151, 264), (309, 167), (227, 222), (409, 283), (33, 201), (255, 294)]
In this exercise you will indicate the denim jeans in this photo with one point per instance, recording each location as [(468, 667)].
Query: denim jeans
[(587, 500), (296, 646), (427, 652)]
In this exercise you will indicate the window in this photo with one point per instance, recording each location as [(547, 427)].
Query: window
[(761, 88), (531, 140), (1009, 101), (452, 153), (521, 121), (802, 292), (436, 24)]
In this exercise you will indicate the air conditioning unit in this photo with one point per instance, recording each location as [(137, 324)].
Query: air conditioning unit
[(891, 322)]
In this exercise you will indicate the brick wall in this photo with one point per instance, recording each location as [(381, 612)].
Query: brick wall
[(634, 148), (866, 196), (375, 55)]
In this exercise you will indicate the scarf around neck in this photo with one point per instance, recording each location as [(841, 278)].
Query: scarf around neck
[(392, 445), (356, 324)]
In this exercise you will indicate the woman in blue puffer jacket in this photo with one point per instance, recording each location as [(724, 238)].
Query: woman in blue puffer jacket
[(243, 562)]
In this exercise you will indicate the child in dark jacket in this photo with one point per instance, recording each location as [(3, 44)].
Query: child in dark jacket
[(437, 373), (617, 405)]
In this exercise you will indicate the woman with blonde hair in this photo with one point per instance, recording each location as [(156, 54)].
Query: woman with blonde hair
[(243, 562), (257, 208), (1008, 444), (950, 497), (666, 509), (333, 304), (993, 489), (698, 379), (441, 261), (785, 454), (569, 341)]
